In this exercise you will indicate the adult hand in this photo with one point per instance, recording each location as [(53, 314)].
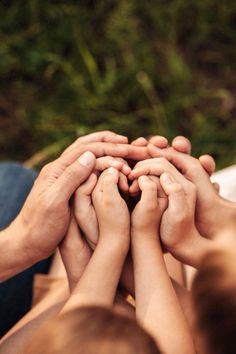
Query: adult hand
[(213, 213), (44, 218)]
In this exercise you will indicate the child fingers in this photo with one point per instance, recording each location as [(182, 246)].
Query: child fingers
[(148, 188), (123, 183), (140, 142), (107, 185), (102, 163), (176, 195), (134, 188), (86, 188), (110, 179)]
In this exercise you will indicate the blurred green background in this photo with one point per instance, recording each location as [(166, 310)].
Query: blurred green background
[(156, 67)]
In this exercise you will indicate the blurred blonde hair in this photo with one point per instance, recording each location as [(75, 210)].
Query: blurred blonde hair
[(90, 330)]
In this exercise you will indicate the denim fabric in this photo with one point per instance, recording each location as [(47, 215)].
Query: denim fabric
[(16, 293)]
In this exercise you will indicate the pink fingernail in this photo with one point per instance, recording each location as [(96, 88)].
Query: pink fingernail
[(86, 158)]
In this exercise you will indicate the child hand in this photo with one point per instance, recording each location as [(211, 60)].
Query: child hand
[(146, 215), (75, 253), (84, 210), (177, 230), (111, 210)]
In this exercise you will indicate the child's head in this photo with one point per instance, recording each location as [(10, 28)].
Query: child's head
[(89, 330), (214, 295)]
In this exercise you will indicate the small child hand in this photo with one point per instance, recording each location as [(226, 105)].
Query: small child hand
[(75, 253), (177, 231), (148, 211), (84, 210), (111, 210)]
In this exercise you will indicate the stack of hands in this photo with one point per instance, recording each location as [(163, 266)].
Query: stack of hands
[(113, 208)]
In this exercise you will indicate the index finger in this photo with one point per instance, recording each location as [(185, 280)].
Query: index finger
[(102, 136), (100, 149)]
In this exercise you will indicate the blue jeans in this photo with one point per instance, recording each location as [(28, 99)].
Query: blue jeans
[(16, 293)]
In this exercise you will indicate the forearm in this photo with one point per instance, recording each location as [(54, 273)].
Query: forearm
[(127, 276), (98, 284), (157, 306)]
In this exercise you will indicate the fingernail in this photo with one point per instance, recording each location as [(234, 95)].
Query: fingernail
[(167, 178), (86, 158)]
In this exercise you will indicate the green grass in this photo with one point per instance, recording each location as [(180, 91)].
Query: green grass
[(158, 67)]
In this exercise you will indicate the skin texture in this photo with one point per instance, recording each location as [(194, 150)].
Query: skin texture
[(99, 281), (213, 213), (44, 219), (157, 306)]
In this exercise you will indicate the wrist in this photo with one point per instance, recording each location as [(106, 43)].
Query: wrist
[(145, 234), (14, 258), (22, 237), (115, 244)]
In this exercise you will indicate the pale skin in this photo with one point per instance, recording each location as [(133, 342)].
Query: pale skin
[(157, 306)]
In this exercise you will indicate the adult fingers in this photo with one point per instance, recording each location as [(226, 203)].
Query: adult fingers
[(208, 163), (105, 162), (123, 183), (139, 142), (102, 136), (189, 166), (104, 149), (159, 141), (181, 144), (73, 176)]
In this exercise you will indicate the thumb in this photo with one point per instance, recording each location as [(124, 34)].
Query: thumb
[(74, 175), (175, 193), (149, 191)]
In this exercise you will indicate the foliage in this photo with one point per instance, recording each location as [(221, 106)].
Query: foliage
[(156, 67)]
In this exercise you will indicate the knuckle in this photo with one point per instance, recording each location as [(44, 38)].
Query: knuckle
[(195, 167), (162, 161), (45, 170), (177, 188)]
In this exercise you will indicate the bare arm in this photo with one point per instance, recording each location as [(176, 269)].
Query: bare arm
[(157, 306), (99, 281)]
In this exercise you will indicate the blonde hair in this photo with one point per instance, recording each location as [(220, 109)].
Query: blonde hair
[(89, 330)]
